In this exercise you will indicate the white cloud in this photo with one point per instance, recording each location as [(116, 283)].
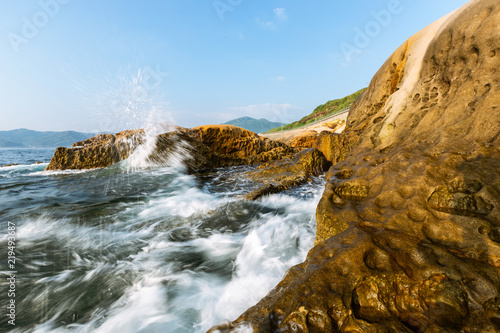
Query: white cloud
[(279, 78), (271, 25), (280, 14)]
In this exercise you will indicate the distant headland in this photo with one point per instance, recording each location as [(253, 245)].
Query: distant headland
[(25, 138)]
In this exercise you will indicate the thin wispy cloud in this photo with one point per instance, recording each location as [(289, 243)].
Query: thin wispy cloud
[(271, 25), (279, 16), (279, 78)]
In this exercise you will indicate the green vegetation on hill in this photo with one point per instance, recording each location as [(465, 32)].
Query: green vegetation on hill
[(27, 138), (255, 125), (330, 108)]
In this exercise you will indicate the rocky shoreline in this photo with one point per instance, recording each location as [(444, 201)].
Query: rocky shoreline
[(408, 228), (281, 165)]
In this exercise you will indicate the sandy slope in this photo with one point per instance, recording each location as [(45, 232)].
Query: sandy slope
[(316, 127)]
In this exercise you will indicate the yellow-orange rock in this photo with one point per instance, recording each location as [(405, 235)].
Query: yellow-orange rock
[(326, 142), (97, 152), (233, 141), (282, 174), (205, 147), (408, 235)]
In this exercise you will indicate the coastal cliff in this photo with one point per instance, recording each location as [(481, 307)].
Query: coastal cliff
[(408, 228)]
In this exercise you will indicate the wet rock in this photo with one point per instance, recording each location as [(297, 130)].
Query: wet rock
[(97, 152), (195, 155), (366, 303), (416, 304), (319, 322), (445, 301), (283, 174), (236, 142), (492, 308), (203, 147)]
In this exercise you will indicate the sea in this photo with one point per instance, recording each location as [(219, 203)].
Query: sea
[(136, 247)]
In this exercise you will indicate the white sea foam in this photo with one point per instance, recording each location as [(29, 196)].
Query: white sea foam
[(177, 286), (60, 172), (185, 204)]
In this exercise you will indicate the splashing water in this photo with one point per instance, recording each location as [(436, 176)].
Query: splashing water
[(141, 246), (149, 251), (125, 100), (131, 101)]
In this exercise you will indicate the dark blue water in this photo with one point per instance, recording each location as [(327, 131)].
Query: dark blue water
[(142, 249), (25, 155)]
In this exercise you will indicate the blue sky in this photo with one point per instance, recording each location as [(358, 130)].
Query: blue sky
[(97, 65)]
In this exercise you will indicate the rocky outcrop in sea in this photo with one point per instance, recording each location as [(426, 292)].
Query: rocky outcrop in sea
[(281, 166)]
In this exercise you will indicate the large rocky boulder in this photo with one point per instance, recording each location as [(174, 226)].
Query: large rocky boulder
[(203, 147), (233, 141), (408, 236), (97, 152), (326, 142)]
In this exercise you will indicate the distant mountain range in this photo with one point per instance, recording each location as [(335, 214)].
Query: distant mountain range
[(21, 138), (254, 125)]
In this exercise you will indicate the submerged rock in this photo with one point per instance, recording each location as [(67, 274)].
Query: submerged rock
[(408, 234)]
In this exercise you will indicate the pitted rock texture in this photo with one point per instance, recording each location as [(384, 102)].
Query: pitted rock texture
[(203, 147), (325, 141), (458, 203), (408, 235), (236, 142), (283, 174), (97, 152)]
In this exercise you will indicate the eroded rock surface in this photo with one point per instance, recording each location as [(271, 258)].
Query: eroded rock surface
[(285, 173), (97, 152), (202, 148), (408, 236), (236, 142), (326, 142)]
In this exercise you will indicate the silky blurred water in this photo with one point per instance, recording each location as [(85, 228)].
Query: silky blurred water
[(138, 248)]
